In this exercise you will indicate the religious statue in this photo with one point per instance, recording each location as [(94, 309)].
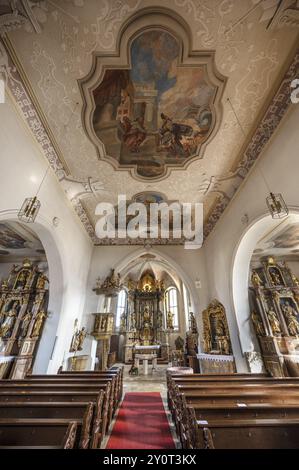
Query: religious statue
[(220, 330), (291, 319), (275, 277), (26, 319), (21, 279), (169, 320), (256, 280), (80, 339), (73, 346), (39, 319), (258, 324), (133, 321), (9, 322), (274, 322), (112, 281), (295, 280), (41, 281), (192, 322), (123, 321), (160, 320), (146, 316), (179, 343), (224, 345), (4, 284)]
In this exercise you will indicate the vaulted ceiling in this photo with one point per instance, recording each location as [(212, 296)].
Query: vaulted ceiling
[(54, 55)]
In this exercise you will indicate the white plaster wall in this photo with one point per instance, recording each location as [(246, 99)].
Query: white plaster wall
[(68, 248), (280, 165)]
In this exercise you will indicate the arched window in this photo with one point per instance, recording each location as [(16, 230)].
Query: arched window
[(171, 305), (186, 305), (121, 306)]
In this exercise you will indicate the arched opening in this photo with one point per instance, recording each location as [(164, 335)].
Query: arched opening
[(265, 238), (35, 243), (150, 282)]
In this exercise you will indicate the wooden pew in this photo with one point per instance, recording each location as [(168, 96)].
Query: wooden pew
[(58, 410), (100, 421), (117, 370), (39, 433), (69, 384), (116, 392), (230, 398), (247, 434)]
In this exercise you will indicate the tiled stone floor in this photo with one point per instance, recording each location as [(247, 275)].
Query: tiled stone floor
[(155, 381)]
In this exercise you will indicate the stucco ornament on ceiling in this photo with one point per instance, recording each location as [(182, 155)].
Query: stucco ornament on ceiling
[(42, 70)]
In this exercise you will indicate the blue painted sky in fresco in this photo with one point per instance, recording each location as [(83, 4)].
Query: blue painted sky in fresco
[(152, 54)]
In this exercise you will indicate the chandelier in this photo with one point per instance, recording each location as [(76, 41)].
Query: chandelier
[(31, 205), (277, 206)]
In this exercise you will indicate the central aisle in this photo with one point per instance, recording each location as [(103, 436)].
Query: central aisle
[(141, 423)]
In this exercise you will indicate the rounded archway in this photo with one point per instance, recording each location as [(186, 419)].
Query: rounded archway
[(258, 230), (44, 235)]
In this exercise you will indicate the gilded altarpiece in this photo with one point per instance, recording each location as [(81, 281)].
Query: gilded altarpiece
[(274, 304), (217, 357), (23, 311), (144, 324)]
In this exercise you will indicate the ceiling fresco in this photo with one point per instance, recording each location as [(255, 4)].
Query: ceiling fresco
[(181, 137), (282, 241), (156, 113), (17, 242)]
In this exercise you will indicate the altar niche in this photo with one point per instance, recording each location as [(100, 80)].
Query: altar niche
[(274, 304), (23, 311), (143, 323)]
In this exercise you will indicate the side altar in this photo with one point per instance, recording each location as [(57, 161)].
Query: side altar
[(23, 312), (274, 304), (217, 357)]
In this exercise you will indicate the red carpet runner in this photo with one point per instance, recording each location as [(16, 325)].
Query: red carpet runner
[(141, 423)]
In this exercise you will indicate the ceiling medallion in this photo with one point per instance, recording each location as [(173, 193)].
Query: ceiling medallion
[(154, 105)]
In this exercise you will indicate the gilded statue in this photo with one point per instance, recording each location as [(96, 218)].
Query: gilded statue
[(26, 319), (169, 320), (275, 277), (123, 321), (112, 281), (295, 280), (258, 324), (75, 334), (146, 315), (39, 319), (80, 339), (291, 319), (224, 345), (4, 284), (42, 281), (274, 322), (255, 279), (21, 279), (9, 322), (133, 321)]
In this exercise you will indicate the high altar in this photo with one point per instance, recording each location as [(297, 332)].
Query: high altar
[(143, 323)]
